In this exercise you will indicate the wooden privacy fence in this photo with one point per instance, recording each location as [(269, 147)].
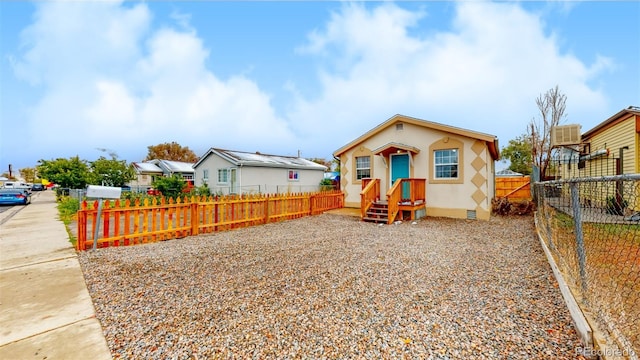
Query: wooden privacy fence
[(513, 188), (123, 223)]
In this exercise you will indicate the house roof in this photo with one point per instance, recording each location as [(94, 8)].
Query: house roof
[(160, 166), (146, 167), (491, 140), (175, 166), (392, 147), (507, 172), (613, 120), (241, 158)]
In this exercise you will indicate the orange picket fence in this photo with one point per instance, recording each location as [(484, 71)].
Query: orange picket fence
[(513, 188), (123, 223)]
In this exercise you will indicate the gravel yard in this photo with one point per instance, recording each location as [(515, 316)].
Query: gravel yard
[(331, 286)]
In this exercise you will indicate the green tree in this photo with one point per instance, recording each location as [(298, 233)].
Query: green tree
[(68, 173), (171, 151), (519, 153), (28, 174), (170, 186), (321, 162), (110, 172)]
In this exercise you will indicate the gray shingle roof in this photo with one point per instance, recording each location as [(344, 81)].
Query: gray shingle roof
[(241, 158)]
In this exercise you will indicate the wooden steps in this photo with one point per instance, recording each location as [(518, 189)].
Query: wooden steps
[(378, 213)]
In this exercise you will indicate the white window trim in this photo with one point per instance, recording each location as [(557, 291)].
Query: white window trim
[(457, 164), (367, 168), (226, 172), (297, 175)]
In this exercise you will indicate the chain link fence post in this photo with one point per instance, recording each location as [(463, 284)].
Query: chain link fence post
[(577, 222)]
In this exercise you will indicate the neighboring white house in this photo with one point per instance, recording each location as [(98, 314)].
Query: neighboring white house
[(148, 171), (238, 172)]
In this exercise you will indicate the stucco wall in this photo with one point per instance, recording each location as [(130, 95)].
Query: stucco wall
[(473, 192)]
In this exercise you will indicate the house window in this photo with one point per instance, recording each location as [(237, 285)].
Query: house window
[(446, 164), (363, 167), (205, 174), (223, 176), (187, 177), (293, 175)]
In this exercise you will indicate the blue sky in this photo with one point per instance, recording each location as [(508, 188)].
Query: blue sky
[(283, 77)]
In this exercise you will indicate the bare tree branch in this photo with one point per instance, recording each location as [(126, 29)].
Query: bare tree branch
[(552, 106)]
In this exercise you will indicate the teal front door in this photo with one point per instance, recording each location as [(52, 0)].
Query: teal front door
[(400, 170)]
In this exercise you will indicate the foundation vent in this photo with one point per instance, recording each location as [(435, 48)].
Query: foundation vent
[(471, 215)]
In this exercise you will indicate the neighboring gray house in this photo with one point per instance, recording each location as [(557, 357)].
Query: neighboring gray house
[(148, 171), (238, 172), (170, 167)]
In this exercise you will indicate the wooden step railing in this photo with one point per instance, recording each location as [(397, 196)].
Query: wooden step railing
[(370, 193), (416, 194)]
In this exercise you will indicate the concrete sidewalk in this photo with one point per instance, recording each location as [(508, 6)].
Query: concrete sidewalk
[(45, 308)]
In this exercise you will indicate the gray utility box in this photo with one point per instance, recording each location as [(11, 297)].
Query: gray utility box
[(103, 192)]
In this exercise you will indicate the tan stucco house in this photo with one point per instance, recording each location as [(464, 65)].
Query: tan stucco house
[(239, 172), (453, 169)]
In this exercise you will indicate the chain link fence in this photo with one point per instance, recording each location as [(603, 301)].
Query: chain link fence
[(592, 228)]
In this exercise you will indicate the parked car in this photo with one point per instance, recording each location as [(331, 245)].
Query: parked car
[(14, 197), (154, 192), (38, 187)]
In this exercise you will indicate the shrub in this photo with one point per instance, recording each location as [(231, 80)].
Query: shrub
[(170, 187), (503, 206), (327, 184), (202, 190)]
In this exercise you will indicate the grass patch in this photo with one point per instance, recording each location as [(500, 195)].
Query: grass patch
[(67, 209), (563, 220)]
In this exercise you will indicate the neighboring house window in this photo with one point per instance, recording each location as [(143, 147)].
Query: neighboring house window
[(363, 167), (293, 175), (187, 177), (205, 174), (446, 163), (144, 177), (223, 176)]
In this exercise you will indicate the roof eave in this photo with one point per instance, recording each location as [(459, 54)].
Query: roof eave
[(491, 140), (587, 134)]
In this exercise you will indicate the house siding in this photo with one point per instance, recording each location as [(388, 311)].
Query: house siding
[(212, 163), (612, 136), (257, 179), (276, 180), (617, 136), (473, 191)]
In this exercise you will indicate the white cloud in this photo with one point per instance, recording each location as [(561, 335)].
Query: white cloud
[(114, 83), (112, 80), (484, 74)]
